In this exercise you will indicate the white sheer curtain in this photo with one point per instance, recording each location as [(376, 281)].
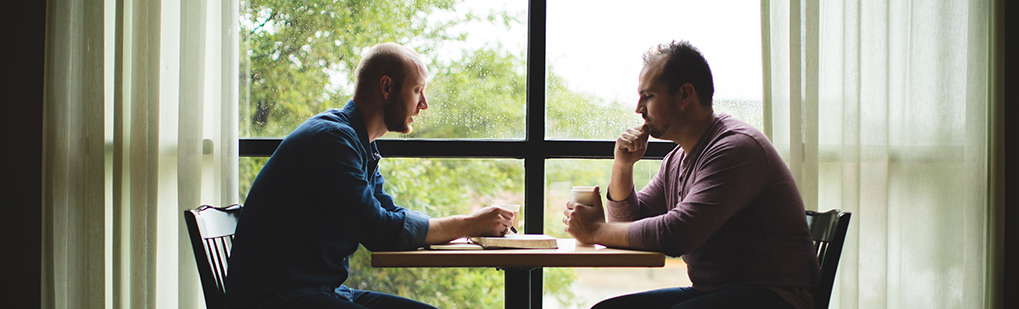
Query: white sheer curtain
[(140, 124), (881, 109)]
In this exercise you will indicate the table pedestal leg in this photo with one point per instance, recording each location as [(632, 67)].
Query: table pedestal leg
[(518, 288)]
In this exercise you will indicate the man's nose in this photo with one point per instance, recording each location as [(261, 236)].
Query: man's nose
[(424, 103)]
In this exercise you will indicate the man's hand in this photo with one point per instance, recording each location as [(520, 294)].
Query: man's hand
[(587, 224), (631, 145), (583, 221), (490, 221)]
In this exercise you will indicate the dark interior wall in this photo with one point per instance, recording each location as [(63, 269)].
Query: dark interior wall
[(21, 116), (1011, 271)]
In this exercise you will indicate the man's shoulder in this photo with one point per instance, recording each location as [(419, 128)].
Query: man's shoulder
[(731, 123), (330, 122), (737, 140), (736, 131)]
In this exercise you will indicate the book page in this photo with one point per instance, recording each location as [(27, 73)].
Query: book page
[(457, 244), (522, 241)]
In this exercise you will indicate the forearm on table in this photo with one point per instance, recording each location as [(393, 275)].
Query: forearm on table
[(442, 230), (613, 234)]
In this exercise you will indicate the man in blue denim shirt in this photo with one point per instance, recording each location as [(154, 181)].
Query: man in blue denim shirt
[(320, 195)]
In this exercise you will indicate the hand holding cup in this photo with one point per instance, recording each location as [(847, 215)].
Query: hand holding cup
[(583, 213)]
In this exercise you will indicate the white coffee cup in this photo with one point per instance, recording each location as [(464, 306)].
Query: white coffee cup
[(585, 195), (516, 213)]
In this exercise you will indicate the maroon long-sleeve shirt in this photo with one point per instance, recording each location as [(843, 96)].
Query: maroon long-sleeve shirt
[(731, 209)]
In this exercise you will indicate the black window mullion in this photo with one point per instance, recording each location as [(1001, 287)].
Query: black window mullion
[(534, 162), (534, 184)]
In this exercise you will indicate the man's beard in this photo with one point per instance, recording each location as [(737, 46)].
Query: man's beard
[(395, 116), (652, 129)]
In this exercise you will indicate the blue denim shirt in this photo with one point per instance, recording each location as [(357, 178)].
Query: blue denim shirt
[(318, 197)]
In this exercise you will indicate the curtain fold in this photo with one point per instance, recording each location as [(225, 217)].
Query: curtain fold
[(73, 192), (880, 108), (140, 124)]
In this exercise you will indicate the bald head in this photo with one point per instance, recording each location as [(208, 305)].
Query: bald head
[(386, 59)]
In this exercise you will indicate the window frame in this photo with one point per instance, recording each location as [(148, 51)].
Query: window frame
[(533, 150)]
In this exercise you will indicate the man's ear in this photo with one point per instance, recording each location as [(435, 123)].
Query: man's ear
[(385, 86), (686, 95)]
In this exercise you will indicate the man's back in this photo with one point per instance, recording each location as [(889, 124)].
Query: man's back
[(316, 199)]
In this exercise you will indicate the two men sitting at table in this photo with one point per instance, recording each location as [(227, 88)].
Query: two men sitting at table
[(321, 195), (723, 199)]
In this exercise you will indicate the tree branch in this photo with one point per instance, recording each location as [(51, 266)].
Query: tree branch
[(271, 16)]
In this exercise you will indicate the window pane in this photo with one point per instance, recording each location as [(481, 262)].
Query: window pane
[(583, 287), (439, 188), (592, 74), (299, 57)]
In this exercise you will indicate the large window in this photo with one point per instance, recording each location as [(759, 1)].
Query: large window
[(526, 99)]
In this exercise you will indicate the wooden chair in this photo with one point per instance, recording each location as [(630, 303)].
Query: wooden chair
[(828, 229), (212, 234)]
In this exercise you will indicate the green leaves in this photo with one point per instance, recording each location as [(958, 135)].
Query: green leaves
[(292, 47)]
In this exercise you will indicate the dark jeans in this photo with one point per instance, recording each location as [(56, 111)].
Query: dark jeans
[(359, 300), (739, 296)]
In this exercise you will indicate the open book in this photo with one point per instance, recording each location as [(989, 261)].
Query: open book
[(516, 241)]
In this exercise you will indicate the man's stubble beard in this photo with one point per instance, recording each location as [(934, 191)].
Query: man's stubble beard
[(395, 115), (652, 129)]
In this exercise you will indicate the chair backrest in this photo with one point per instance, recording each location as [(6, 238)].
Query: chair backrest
[(828, 229), (212, 234)]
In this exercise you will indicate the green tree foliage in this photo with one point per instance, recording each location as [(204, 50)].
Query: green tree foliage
[(294, 45)]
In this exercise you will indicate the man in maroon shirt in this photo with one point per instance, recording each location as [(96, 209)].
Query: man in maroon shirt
[(723, 199)]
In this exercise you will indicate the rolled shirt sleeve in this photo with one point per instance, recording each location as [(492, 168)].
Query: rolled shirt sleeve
[(415, 230)]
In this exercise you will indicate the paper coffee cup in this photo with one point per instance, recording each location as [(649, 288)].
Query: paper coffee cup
[(516, 213), (584, 195)]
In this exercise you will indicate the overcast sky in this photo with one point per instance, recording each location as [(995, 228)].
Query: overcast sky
[(596, 45)]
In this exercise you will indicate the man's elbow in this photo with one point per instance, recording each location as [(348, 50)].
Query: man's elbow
[(383, 247), (674, 252), (674, 248)]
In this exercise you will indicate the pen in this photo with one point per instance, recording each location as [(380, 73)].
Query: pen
[(513, 229)]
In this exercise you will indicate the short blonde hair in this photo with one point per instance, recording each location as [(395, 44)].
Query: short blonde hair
[(386, 59)]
